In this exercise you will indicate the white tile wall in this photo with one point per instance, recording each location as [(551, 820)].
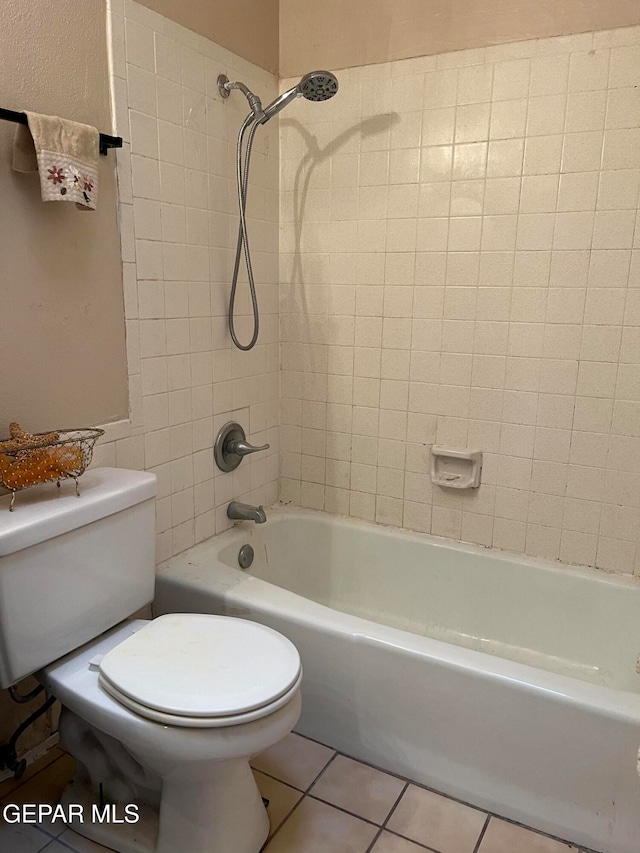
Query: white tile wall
[(178, 226), (458, 246), (460, 260)]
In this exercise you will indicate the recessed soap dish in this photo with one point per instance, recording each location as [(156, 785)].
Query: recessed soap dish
[(456, 469)]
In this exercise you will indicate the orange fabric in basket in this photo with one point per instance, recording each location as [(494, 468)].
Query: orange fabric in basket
[(38, 466)]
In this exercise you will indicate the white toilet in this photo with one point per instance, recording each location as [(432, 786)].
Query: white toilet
[(163, 714)]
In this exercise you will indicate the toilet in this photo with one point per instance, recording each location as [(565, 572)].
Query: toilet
[(163, 715)]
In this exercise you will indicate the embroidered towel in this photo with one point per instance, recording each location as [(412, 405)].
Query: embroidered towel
[(66, 156)]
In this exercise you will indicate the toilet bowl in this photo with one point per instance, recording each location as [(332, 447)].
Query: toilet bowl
[(161, 715), (187, 771)]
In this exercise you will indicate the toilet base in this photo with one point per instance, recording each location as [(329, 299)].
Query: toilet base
[(186, 822)]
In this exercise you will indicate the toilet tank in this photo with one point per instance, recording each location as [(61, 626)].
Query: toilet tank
[(72, 567)]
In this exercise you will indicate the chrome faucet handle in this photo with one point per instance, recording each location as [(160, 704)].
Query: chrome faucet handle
[(243, 448), (232, 446)]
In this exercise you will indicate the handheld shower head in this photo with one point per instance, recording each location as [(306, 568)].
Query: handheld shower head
[(315, 86), (318, 86)]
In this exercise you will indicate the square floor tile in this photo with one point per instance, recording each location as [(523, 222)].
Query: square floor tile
[(56, 847), (81, 844), (295, 760), (52, 829), (503, 837), (437, 821), (315, 827), (282, 798), (358, 788), (21, 838), (389, 843)]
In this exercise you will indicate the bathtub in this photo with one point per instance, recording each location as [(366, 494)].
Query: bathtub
[(509, 683)]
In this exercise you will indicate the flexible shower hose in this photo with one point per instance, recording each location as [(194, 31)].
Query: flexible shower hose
[(243, 239)]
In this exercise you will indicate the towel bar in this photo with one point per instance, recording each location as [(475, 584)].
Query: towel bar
[(106, 141)]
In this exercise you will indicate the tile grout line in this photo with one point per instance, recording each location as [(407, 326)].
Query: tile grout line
[(308, 794), (311, 784), (420, 785), (327, 765), (385, 821), (374, 840), (51, 836), (48, 834), (62, 844), (408, 782), (276, 779), (483, 831), (488, 812), (282, 822), (271, 836), (413, 841), (343, 810), (557, 838)]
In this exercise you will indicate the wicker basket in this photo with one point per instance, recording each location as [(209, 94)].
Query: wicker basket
[(44, 462)]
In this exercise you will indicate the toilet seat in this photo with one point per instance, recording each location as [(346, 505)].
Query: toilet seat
[(202, 671), (200, 722)]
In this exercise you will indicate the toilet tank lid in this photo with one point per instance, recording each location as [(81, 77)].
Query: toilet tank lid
[(44, 511)]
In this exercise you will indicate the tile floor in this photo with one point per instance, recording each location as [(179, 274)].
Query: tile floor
[(319, 802)]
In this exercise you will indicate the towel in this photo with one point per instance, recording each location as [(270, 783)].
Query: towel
[(66, 156)]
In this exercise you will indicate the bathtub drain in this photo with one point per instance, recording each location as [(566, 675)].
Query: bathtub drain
[(245, 556)]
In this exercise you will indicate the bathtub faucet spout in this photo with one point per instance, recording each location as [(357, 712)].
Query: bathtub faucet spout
[(245, 512)]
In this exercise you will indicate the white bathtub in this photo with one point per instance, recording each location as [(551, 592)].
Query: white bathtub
[(508, 683)]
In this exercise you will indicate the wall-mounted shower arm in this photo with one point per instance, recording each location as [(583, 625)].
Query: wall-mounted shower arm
[(225, 86)]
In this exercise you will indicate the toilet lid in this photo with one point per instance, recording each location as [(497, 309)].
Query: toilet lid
[(195, 665)]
